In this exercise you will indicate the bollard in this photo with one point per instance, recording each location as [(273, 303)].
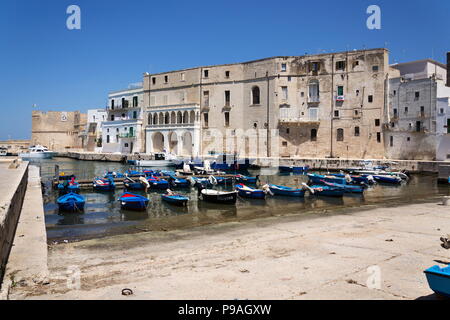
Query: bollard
[(445, 201)]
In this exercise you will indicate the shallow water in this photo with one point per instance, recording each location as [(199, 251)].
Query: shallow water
[(102, 215)]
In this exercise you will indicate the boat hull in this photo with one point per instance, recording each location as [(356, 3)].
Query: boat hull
[(155, 163), (223, 198), (321, 190), (133, 202), (439, 280), (175, 200), (287, 192), (318, 179), (71, 203), (251, 194)]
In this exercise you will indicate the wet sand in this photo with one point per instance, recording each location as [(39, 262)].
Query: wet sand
[(285, 257)]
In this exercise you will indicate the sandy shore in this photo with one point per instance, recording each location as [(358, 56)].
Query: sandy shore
[(325, 257)]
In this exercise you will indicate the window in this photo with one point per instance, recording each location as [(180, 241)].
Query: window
[(124, 103), (406, 110), (355, 63), (284, 91), (227, 98), (206, 98), (313, 134), (356, 131), (340, 134), (107, 139), (395, 112), (391, 141), (422, 111), (112, 104), (255, 95), (112, 117), (117, 129), (255, 125), (441, 110), (340, 90), (135, 101), (370, 99), (313, 114), (340, 65), (166, 79), (357, 92), (153, 80), (283, 67), (287, 130), (314, 91), (227, 119), (336, 113), (227, 74), (284, 143), (315, 66), (416, 95), (126, 145), (375, 68), (377, 122), (205, 73), (356, 113), (408, 139), (378, 137), (182, 76), (205, 119), (289, 79), (134, 114), (395, 93)]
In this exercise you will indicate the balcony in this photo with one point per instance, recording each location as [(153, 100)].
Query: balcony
[(314, 99), (299, 121), (127, 135)]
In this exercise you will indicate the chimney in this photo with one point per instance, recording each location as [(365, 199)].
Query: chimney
[(448, 69)]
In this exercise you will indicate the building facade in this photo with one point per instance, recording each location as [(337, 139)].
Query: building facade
[(326, 105), (58, 130), (14, 147), (122, 131), (419, 119), (92, 136)]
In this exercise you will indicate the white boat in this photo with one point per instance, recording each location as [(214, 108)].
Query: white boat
[(160, 160), (37, 152), (3, 152)]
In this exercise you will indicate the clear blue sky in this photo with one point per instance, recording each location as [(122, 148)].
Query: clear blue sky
[(44, 63)]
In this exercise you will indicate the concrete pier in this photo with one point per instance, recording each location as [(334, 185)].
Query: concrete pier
[(27, 263), (12, 191)]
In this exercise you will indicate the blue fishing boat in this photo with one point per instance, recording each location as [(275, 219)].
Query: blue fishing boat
[(356, 179), (100, 184), (439, 279), (286, 191), (318, 179), (348, 188), (247, 192), (71, 202), (294, 169), (134, 184), (157, 183), (113, 174), (176, 199), (73, 187), (131, 201), (178, 182), (328, 191), (135, 174), (224, 180), (246, 179), (149, 173), (391, 179)]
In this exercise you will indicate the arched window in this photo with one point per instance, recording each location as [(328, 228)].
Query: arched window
[(161, 118), (150, 119), (179, 117), (340, 134), (313, 134), (192, 117), (155, 118), (173, 117), (256, 95), (185, 117), (166, 118)]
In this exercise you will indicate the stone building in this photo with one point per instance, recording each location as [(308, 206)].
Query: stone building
[(58, 130), (122, 131), (419, 116), (326, 105)]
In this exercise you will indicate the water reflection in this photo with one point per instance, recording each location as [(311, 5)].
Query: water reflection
[(103, 215)]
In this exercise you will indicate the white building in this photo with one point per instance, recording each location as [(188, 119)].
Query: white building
[(122, 131), (419, 116), (93, 132)]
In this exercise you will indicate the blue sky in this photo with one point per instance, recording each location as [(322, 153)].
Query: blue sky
[(44, 63)]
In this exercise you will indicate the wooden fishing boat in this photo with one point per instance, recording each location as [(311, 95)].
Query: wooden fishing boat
[(216, 196), (348, 188), (318, 178), (133, 184), (391, 179), (328, 191), (71, 202), (157, 183), (178, 182), (176, 199), (356, 179), (286, 191), (439, 279), (246, 179), (100, 184), (247, 192), (131, 201)]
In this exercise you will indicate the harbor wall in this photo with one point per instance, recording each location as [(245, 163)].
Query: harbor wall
[(12, 193), (416, 166)]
